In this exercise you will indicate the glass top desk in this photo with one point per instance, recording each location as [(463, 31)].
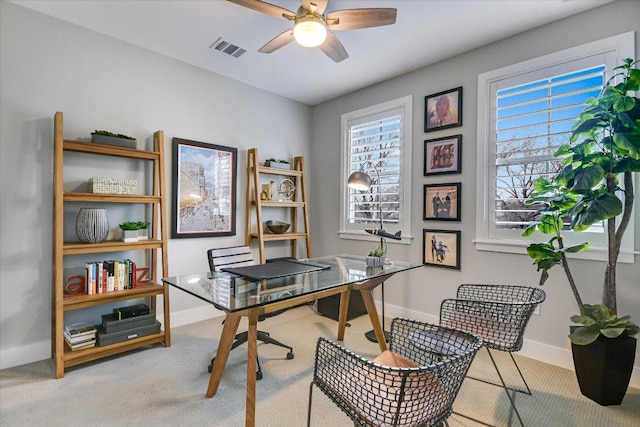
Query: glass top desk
[(238, 297)]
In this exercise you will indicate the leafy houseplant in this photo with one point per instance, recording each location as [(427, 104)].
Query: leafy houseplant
[(111, 134), (605, 144), (110, 138), (604, 147)]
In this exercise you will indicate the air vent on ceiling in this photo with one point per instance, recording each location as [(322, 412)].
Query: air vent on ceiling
[(228, 48)]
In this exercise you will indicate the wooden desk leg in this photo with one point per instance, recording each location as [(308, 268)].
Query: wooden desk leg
[(229, 330), (342, 314), (367, 298), (252, 361)]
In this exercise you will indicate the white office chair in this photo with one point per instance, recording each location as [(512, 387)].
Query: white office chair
[(240, 256)]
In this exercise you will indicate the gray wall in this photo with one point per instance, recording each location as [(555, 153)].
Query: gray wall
[(98, 82), (418, 293)]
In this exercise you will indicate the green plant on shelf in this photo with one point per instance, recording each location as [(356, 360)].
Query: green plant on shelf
[(134, 225), (377, 252), (111, 134)]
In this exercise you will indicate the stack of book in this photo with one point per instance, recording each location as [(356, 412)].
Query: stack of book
[(80, 335)]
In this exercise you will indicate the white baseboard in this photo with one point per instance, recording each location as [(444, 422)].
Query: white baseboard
[(561, 357)]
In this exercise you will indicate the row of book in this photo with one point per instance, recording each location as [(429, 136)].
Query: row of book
[(80, 335), (110, 276)]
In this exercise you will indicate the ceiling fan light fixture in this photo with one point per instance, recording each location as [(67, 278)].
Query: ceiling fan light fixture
[(310, 31)]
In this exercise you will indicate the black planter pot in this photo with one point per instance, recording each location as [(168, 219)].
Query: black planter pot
[(604, 368)]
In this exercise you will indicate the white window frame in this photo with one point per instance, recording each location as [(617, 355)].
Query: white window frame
[(405, 105), (617, 48)]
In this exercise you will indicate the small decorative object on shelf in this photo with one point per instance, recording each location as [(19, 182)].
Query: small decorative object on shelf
[(267, 191), (110, 138), (113, 186), (286, 190), (278, 227), (278, 164), (130, 230), (376, 258), (92, 225)]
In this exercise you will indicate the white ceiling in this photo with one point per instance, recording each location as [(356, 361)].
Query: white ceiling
[(426, 32)]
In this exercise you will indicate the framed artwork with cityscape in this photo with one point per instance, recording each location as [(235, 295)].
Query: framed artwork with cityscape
[(204, 189)]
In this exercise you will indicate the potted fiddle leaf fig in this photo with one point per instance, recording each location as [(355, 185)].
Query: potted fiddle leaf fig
[(603, 153)]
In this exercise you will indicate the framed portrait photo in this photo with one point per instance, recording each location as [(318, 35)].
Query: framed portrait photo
[(204, 189), (443, 110), (443, 155), (441, 202), (441, 248)]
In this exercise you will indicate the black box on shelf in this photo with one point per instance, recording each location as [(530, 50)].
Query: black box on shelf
[(130, 311), (111, 324), (126, 335), (330, 306)]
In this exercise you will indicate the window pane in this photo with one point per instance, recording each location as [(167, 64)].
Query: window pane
[(532, 121)]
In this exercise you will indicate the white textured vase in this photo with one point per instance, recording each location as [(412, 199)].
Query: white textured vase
[(92, 225)]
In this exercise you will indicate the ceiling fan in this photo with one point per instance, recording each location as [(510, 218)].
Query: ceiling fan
[(312, 28)]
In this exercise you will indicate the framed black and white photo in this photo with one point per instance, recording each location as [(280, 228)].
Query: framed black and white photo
[(443, 110), (441, 202), (441, 248), (443, 155), (204, 189)]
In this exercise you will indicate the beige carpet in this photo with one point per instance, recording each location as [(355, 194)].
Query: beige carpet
[(166, 386)]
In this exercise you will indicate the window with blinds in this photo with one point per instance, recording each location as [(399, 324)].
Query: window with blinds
[(374, 147), (532, 120), (377, 140)]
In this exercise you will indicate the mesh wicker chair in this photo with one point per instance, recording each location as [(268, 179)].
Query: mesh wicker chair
[(240, 256), (499, 314), (414, 383)]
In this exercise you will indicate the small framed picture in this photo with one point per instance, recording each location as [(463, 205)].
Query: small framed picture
[(441, 248), (441, 202), (204, 189), (443, 155), (443, 110)]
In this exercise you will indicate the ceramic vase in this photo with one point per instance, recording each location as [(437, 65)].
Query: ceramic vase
[(92, 225)]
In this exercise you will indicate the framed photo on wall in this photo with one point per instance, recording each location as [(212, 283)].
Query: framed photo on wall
[(441, 248), (443, 155), (443, 110), (204, 189), (441, 202)]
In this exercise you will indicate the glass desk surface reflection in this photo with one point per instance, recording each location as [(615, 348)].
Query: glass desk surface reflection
[(232, 293)]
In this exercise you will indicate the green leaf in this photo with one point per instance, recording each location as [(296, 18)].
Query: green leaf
[(585, 335), (612, 332), (587, 178)]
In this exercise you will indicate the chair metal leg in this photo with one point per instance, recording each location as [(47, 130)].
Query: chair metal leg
[(242, 337), (506, 389), (511, 396), (309, 407)]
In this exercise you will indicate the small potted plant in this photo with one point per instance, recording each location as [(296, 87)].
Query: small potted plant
[(130, 231), (110, 138), (277, 163), (376, 257)]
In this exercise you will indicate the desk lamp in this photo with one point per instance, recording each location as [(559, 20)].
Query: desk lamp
[(361, 181)]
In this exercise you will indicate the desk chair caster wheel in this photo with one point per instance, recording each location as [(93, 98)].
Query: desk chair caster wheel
[(290, 355)]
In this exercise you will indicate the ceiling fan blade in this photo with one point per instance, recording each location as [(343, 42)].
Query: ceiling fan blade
[(277, 42), (320, 5), (352, 19), (268, 8), (333, 48)]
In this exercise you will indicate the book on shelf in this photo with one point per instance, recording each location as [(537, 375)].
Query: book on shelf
[(79, 339), (80, 328), (80, 346)]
